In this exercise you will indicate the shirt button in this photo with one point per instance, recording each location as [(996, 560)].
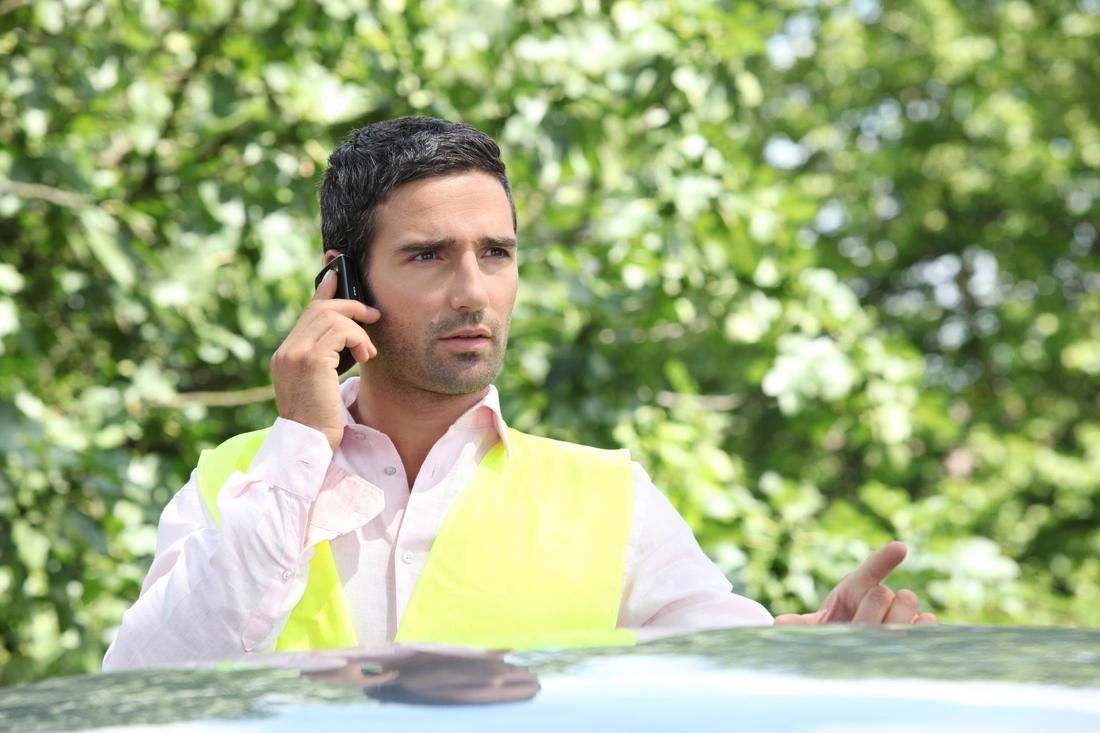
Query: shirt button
[(406, 557), (287, 575), (389, 470)]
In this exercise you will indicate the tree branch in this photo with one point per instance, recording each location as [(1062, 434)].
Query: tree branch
[(41, 192), (718, 402), (235, 398), (206, 50), (70, 200)]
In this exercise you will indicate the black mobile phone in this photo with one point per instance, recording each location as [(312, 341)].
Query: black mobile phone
[(350, 286)]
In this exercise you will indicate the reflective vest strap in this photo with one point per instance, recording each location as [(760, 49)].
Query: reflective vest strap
[(320, 620), (532, 554), (218, 464)]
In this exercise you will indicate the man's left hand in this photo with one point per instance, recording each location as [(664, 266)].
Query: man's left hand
[(861, 597)]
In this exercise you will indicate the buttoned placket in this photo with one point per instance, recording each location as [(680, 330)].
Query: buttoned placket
[(412, 517), (404, 571)]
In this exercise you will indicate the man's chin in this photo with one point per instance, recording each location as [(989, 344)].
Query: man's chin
[(468, 375), (456, 389)]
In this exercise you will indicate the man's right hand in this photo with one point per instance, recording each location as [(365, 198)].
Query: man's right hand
[(303, 368)]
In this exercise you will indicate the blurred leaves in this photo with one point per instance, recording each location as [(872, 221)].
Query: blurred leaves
[(829, 270)]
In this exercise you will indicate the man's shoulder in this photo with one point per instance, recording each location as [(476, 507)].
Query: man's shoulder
[(563, 449), (241, 443), (234, 454)]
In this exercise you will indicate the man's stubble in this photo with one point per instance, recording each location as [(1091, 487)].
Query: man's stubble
[(425, 364)]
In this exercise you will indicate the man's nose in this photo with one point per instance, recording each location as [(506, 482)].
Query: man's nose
[(468, 287)]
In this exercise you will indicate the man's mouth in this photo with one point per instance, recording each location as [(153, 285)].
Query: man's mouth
[(469, 339), (470, 333)]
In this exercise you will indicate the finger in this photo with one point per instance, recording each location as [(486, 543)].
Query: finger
[(362, 348), (327, 288), (347, 335), (874, 605), (926, 618), (903, 609), (361, 352), (876, 568), (326, 293), (795, 619), (352, 309)]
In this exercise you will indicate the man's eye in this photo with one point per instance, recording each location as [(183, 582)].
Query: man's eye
[(499, 252), (423, 256)]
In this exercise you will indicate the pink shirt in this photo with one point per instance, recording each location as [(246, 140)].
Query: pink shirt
[(215, 591)]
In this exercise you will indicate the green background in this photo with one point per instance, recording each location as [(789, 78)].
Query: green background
[(827, 268)]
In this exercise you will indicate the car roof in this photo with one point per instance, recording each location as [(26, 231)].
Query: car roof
[(782, 678)]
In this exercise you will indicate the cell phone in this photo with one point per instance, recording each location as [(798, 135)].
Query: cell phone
[(351, 287)]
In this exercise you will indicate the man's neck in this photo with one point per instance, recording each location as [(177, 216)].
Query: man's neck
[(413, 419)]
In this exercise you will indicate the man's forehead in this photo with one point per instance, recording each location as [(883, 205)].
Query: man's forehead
[(464, 205)]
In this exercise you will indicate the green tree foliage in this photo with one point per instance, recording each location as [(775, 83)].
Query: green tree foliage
[(827, 268)]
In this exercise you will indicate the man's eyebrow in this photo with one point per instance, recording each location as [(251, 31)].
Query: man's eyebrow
[(443, 243), (424, 245)]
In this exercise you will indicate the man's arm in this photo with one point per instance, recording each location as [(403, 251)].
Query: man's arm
[(669, 581), (218, 590)]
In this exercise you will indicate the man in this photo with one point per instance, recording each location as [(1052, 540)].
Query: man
[(399, 505)]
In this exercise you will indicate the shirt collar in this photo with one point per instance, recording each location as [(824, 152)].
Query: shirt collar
[(486, 413)]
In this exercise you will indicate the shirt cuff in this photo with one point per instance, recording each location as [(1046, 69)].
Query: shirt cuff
[(293, 458)]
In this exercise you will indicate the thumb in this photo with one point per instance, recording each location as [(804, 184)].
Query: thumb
[(797, 619), (327, 289)]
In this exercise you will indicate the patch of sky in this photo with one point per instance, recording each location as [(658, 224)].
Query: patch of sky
[(782, 152)]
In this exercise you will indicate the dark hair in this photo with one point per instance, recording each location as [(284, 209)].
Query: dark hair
[(376, 159)]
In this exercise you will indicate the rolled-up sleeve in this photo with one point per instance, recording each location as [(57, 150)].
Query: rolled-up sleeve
[(669, 581), (217, 590)]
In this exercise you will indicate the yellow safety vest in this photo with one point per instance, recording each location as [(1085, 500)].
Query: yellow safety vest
[(531, 555)]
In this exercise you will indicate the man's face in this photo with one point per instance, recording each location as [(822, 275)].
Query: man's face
[(442, 268)]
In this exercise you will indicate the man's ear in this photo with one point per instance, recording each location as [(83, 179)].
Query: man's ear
[(329, 256)]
